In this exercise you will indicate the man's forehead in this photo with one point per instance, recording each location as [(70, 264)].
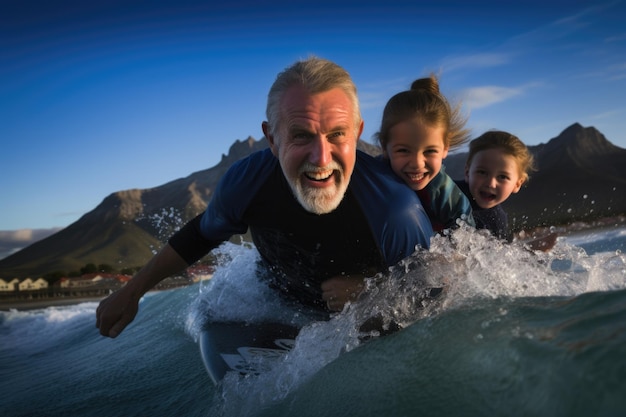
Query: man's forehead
[(330, 107)]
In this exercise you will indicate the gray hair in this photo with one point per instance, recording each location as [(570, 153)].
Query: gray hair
[(317, 75)]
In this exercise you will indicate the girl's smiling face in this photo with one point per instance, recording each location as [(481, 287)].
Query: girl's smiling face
[(416, 152), (493, 176)]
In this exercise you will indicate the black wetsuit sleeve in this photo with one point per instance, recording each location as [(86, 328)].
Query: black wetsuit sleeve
[(189, 243)]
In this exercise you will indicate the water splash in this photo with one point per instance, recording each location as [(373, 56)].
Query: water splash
[(458, 272), (164, 222)]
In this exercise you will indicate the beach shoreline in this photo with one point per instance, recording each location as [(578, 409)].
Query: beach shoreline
[(25, 305)]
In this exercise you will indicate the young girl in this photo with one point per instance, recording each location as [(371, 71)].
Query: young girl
[(497, 166), (418, 129)]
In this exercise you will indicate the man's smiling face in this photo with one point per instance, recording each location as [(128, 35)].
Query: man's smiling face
[(316, 146)]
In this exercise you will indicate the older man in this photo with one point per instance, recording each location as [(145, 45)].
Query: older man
[(321, 214)]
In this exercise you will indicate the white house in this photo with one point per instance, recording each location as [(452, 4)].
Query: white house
[(11, 285), (29, 284)]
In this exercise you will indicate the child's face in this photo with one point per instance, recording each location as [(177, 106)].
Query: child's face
[(492, 177), (415, 152)]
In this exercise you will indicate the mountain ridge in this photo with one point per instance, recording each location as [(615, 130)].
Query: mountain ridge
[(580, 176)]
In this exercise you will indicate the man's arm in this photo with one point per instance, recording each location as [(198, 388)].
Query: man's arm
[(120, 308)]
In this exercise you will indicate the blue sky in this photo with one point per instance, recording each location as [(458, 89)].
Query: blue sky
[(102, 96)]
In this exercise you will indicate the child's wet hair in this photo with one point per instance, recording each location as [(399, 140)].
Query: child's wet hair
[(509, 144)]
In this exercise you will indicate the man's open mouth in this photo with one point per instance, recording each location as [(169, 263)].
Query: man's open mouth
[(319, 176)]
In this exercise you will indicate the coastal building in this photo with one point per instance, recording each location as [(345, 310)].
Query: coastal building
[(11, 285), (93, 280), (29, 285)]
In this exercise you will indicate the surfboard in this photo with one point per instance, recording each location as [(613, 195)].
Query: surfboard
[(245, 348)]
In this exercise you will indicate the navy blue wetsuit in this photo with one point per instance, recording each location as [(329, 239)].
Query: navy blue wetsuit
[(494, 219), (379, 222)]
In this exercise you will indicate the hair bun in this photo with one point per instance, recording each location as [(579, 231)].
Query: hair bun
[(430, 84)]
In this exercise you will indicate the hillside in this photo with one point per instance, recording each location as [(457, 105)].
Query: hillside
[(580, 176)]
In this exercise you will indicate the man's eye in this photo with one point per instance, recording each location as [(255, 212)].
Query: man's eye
[(337, 135), (300, 136)]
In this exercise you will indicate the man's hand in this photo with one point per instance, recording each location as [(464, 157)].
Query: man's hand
[(120, 308), (339, 290), (116, 312)]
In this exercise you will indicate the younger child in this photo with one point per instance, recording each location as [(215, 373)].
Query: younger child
[(497, 165), (418, 129)]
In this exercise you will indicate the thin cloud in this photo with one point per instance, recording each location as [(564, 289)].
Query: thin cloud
[(484, 96), (616, 38), (617, 71), (558, 29), (375, 95), (614, 72), (476, 61), (607, 114), (527, 43), (478, 97), (26, 235), (516, 45), (22, 235), (12, 241)]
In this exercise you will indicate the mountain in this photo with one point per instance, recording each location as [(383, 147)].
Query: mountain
[(581, 176)]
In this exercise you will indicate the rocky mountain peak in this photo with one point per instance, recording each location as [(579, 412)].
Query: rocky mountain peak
[(242, 148), (578, 138), (576, 146)]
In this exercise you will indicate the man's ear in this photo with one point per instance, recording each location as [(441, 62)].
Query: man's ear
[(270, 138), (360, 129)]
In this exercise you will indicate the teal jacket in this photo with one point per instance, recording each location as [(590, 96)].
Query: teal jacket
[(444, 203)]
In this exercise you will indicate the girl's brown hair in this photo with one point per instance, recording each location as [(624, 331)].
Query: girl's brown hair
[(425, 102)]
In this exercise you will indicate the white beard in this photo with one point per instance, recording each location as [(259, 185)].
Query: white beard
[(316, 200)]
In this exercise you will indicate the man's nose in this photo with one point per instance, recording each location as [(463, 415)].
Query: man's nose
[(321, 152)]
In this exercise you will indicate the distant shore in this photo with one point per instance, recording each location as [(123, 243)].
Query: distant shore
[(25, 305)]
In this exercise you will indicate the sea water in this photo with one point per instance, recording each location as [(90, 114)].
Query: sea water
[(513, 332)]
